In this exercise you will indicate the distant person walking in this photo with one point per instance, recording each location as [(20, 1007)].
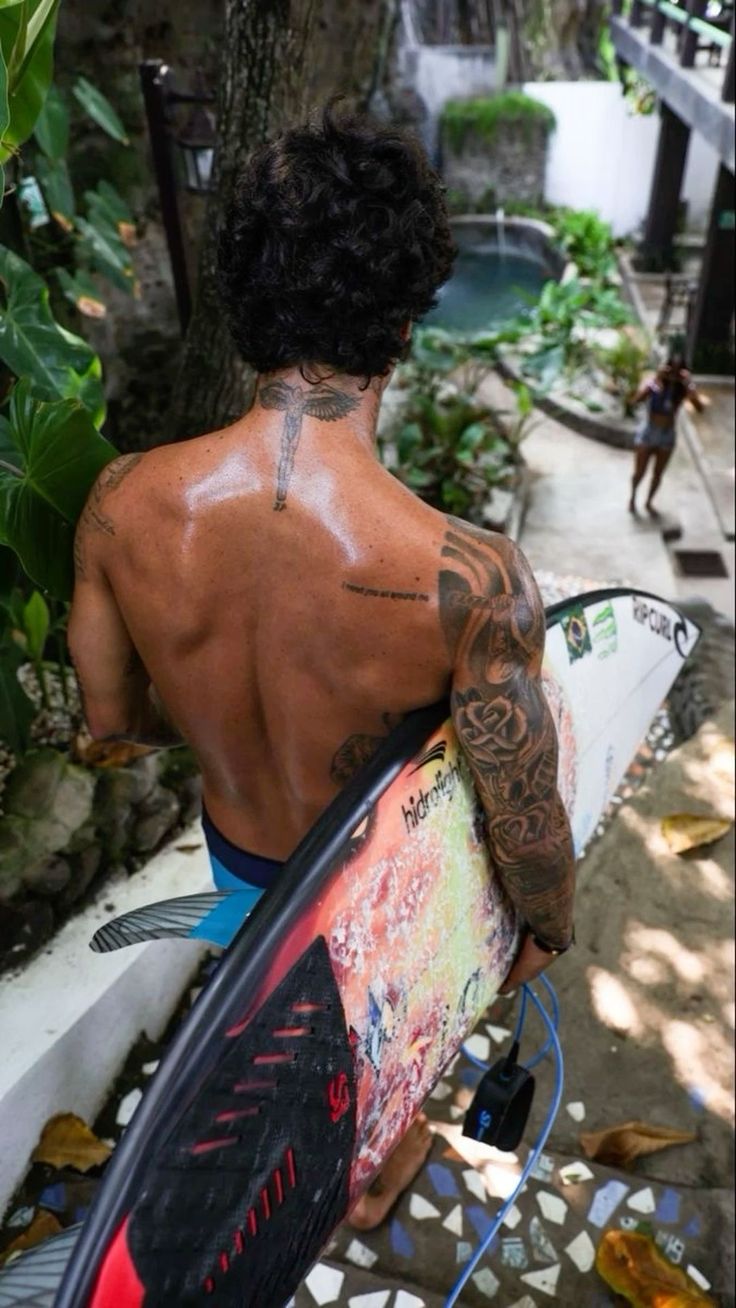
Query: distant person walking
[(671, 385)]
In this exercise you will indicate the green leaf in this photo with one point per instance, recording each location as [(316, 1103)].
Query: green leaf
[(102, 249), (473, 436), (82, 292), (524, 401), (16, 709), (36, 622), (52, 126), (99, 109), (418, 479), (105, 203), (27, 40), (60, 454), (58, 192), (34, 345)]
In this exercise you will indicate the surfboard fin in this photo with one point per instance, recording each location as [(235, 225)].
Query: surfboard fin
[(215, 917)]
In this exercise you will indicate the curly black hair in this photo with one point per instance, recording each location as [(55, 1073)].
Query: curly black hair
[(337, 238)]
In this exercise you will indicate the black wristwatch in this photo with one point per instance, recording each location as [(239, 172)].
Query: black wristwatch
[(554, 950)]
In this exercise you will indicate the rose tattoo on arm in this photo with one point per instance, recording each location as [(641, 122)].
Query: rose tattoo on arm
[(493, 621)]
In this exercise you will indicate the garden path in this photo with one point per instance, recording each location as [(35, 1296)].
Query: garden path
[(577, 519)]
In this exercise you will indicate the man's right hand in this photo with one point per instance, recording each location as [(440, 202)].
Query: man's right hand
[(529, 962)]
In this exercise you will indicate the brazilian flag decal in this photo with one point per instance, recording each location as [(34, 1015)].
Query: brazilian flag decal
[(577, 635)]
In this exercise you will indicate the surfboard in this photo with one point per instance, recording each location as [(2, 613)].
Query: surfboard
[(346, 992)]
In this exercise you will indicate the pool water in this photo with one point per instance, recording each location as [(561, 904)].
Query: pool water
[(485, 289)]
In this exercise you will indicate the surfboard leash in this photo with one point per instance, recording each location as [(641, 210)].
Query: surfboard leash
[(501, 1107)]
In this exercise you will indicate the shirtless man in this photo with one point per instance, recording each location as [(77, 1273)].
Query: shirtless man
[(270, 594)]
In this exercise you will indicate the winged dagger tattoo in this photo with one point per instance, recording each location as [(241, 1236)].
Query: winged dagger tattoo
[(321, 401)]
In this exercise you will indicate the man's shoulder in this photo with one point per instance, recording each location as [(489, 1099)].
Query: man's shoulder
[(504, 561), (485, 578)]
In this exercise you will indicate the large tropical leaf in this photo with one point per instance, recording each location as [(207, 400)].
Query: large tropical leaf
[(34, 345), (52, 125), (58, 455), (99, 109), (27, 34)]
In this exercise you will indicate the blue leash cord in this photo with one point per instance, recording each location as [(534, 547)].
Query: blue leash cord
[(552, 1043)]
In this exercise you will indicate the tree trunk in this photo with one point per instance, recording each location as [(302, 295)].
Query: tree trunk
[(280, 59)]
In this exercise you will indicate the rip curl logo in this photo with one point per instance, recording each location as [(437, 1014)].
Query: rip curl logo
[(434, 755), (661, 624), (338, 1097), (426, 801)]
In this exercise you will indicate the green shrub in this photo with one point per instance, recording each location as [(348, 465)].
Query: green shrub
[(587, 240), (486, 116), (624, 364), (451, 447)]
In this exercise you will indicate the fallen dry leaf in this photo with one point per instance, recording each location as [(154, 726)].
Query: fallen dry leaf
[(633, 1266), (107, 754), (618, 1146), (66, 1141), (188, 849), (684, 831), (43, 1226)]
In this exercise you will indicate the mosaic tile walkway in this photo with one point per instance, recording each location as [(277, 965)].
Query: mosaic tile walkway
[(546, 1248)]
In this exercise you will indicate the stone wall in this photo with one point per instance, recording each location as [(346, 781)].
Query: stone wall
[(482, 173), (67, 828)]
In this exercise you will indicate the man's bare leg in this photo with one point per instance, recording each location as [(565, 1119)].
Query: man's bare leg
[(398, 1172)]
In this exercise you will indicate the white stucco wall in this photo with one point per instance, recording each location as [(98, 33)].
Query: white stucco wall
[(601, 156)]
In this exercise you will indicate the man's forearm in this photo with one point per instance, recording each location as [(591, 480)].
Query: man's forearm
[(539, 879)]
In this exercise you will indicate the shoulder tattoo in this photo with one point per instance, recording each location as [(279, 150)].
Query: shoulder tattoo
[(94, 517)]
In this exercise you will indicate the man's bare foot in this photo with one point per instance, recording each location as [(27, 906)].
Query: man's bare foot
[(397, 1173)]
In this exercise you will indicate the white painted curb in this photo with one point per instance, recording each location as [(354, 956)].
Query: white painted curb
[(69, 1019)]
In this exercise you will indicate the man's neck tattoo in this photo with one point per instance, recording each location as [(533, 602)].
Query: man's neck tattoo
[(322, 401)]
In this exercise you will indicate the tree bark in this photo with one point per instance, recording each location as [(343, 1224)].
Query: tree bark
[(280, 59)]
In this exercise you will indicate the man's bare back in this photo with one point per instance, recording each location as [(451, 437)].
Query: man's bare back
[(283, 644), (290, 602)]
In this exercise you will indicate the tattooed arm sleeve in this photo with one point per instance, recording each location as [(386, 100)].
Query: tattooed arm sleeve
[(493, 620)]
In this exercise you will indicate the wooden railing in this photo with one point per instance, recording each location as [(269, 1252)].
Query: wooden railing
[(693, 28)]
